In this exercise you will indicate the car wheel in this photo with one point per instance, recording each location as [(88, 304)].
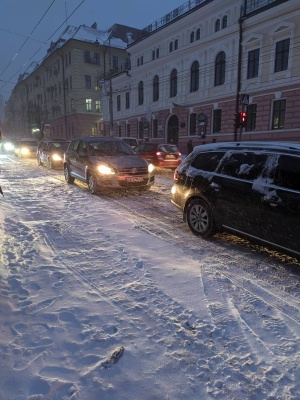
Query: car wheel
[(200, 218), (92, 184), (68, 176)]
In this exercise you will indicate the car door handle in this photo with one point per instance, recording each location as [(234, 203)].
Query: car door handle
[(215, 186)]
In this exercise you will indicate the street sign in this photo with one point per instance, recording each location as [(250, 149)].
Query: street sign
[(244, 99)]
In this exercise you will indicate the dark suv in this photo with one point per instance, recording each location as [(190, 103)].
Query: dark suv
[(251, 189), (50, 152), (106, 162), (161, 155)]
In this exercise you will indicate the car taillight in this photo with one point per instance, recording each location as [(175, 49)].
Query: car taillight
[(158, 153), (175, 177)]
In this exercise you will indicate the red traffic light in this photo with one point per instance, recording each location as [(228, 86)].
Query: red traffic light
[(243, 118)]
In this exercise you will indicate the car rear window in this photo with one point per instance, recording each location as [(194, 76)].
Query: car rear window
[(168, 148), (29, 143), (208, 161)]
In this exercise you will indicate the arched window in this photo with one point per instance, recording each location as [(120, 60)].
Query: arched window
[(198, 34), (176, 44), (156, 88), (157, 53), (194, 84), (171, 47), (142, 60), (138, 62), (224, 22), (217, 25), (141, 93), (153, 54), (220, 67), (192, 37), (173, 83)]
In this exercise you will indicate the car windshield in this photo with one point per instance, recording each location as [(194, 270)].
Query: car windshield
[(58, 146), (109, 148), (168, 148)]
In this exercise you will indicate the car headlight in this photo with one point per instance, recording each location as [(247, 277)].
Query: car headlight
[(105, 170), (56, 157), (150, 168), (24, 151), (8, 146)]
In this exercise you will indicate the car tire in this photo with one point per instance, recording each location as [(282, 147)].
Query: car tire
[(200, 218), (92, 184), (68, 177)]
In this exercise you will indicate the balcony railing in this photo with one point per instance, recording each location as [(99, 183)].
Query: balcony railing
[(250, 6), (186, 7)]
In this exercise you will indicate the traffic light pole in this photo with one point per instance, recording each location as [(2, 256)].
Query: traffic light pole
[(239, 75), (241, 126)]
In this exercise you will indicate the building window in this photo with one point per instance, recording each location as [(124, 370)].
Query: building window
[(138, 62), (224, 22), (173, 83), (87, 56), (217, 119), (194, 84), (278, 119), (115, 62), (192, 37), (251, 117), (282, 55), (87, 81), (198, 34), (141, 93), (176, 44), (98, 105), (97, 58), (128, 130), (157, 53), (253, 64), (153, 54), (142, 60), (120, 130), (220, 65), (118, 103), (127, 100), (88, 104), (155, 128), (70, 58), (171, 47), (217, 25), (156, 88), (193, 124)]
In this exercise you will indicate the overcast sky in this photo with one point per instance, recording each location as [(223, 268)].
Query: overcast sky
[(27, 27)]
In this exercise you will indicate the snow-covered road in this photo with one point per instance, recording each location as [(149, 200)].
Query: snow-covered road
[(114, 298)]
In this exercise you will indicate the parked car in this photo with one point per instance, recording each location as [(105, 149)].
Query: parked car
[(26, 147), (106, 163), (131, 141), (8, 146), (251, 189), (51, 152), (160, 155)]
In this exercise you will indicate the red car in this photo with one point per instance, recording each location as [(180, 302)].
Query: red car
[(161, 155)]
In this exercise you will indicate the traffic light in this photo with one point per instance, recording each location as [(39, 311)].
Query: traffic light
[(243, 119)]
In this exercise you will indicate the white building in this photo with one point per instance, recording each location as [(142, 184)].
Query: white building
[(190, 72)]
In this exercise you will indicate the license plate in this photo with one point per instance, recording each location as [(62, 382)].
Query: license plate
[(170, 156), (135, 179)]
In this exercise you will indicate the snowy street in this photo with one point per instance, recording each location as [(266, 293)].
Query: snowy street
[(113, 298)]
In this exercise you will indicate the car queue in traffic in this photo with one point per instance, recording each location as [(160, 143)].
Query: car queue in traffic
[(251, 189)]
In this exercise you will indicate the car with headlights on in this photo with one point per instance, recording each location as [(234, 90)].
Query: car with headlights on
[(251, 189), (161, 155), (26, 147), (50, 152), (105, 163), (8, 146)]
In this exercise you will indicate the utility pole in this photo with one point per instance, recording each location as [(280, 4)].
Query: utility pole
[(111, 110)]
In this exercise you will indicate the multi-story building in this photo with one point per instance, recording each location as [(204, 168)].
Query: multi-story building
[(204, 63), (60, 97)]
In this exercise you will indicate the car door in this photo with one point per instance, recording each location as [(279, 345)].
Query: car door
[(81, 159), (71, 156), (281, 203), (238, 204)]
